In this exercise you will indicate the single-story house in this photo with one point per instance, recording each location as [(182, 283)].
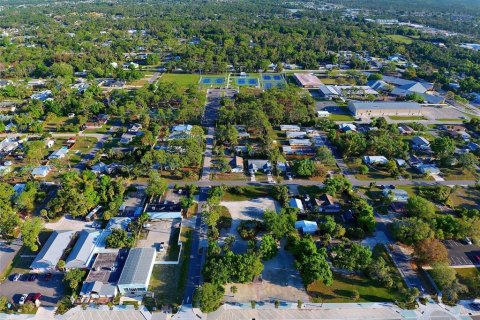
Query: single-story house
[(296, 204), (289, 127), (428, 168), (237, 164), (83, 251), (347, 127), (375, 160), (59, 154), (8, 144), (126, 138), (420, 143), (307, 227), (326, 203), (398, 195), (378, 85), (300, 142), (41, 171), (323, 114), (52, 251), (295, 134), (404, 129), (255, 164), (136, 273), (329, 92), (472, 146)]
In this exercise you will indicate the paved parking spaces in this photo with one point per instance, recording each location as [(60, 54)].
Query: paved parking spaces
[(461, 254), (51, 290), (158, 232)]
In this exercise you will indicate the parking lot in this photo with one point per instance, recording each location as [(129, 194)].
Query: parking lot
[(51, 290), (158, 232), (462, 254)]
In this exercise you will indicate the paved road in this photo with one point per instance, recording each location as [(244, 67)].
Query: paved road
[(197, 254), (207, 156), (8, 252)]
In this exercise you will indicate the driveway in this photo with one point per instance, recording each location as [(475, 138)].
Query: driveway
[(68, 223), (8, 252), (52, 291)]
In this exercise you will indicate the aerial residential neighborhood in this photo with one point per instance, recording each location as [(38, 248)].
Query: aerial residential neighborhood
[(239, 159)]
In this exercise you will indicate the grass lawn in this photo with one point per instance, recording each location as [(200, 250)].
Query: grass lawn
[(246, 193), (466, 197), (468, 277), (457, 174), (22, 264), (168, 281), (182, 80), (400, 39), (173, 247), (225, 220), (229, 177), (341, 117), (406, 118), (84, 144), (340, 290), (450, 119)]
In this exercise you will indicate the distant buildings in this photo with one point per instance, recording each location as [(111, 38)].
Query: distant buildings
[(307, 80), (375, 160), (381, 108)]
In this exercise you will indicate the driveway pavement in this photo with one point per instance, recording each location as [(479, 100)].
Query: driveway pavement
[(68, 223), (8, 252), (462, 255), (52, 290)]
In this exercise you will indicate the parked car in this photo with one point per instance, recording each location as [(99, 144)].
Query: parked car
[(468, 241), (23, 299), (16, 277), (29, 298), (48, 276), (36, 297), (161, 247), (32, 277)]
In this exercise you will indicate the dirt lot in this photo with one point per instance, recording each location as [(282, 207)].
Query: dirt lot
[(161, 231), (246, 210)]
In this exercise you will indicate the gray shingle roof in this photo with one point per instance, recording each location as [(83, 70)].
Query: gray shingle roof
[(137, 266)]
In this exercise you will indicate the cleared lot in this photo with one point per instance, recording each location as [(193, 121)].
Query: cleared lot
[(51, 290), (246, 210), (461, 254)]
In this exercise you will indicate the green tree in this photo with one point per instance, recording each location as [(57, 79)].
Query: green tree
[(119, 238), (73, 278), (337, 184), (268, 247), (35, 150), (279, 224), (30, 230), (420, 208), (411, 230), (9, 221), (443, 275), (352, 257), (209, 296), (304, 168), (430, 251), (156, 185), (443, 147), (468, 161), (325, 156)]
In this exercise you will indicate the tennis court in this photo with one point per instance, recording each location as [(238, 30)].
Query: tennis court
[(246, 81), (212, 80), (272, 80)]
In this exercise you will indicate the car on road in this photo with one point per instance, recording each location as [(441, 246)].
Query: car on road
[(32, 277), (48, 276), (23, 299), (16, 276)]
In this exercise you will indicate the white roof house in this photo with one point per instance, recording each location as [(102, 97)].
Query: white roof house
[(52, 250), (306, 226), (397, 195), (347, 127), (135, 276), (375, 160), (59, 154), (323, 114), (297, 204), (428, 168), (41, 171), (8, 144), (295, 134), (288, 127), (420, 143), (83, 251), (300, 142)]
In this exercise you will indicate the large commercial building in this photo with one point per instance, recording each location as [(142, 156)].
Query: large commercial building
[(381, 108), (308, 80)]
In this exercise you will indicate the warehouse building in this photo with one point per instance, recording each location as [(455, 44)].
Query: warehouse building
[(136, 272), (382, 108)]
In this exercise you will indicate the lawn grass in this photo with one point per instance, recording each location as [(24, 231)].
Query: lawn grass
[(84, 144), (246, 193), (341, 117), (341, 289), (397, 38), (466, 198), (457, 173), (182, 80), (24, 258), (173, 247), (168, 281), (468, 277), (450, 119), (225, 220), (407, 118), (229, 177)]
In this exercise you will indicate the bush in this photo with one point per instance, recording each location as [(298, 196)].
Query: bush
[(249, 229)]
